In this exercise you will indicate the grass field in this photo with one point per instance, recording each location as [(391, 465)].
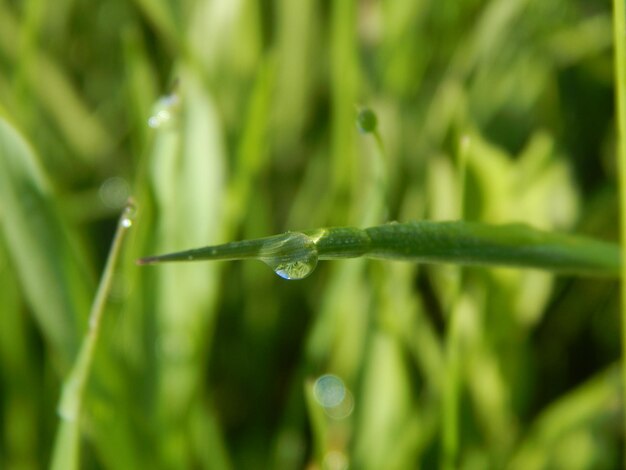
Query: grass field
[(228, 120)]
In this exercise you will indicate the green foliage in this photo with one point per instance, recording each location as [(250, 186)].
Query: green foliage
[(493, 111)]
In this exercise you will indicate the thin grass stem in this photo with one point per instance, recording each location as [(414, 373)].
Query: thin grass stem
[(66, 450)]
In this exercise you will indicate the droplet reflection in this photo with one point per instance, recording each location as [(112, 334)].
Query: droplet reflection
[(293, 256), (297, 269)]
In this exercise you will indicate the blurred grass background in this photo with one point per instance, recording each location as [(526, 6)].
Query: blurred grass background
[(496, 111)]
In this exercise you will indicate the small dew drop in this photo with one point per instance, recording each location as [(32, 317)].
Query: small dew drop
[(114, 192), (366, 121), (331, 393), (293, 256), (295, 270), (329, 390), (165, 112), (343, 409), (128, 216), (159, 119), (154, 122)]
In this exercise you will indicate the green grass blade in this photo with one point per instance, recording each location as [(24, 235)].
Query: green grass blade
[(46, 255), (464, 243)]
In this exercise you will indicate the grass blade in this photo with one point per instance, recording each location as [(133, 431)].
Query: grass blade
[(463, 243), (66, 454), (46, 255)]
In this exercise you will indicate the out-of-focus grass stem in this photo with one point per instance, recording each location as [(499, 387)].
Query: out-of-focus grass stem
[(451, 392)]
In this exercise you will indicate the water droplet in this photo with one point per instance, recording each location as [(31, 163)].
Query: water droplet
[(292, 256), (331, 393), (343, 409), (366, 121), (165, 112), (296, 269), (128, 216), (329, 390), (159, 119), (114, 192)]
